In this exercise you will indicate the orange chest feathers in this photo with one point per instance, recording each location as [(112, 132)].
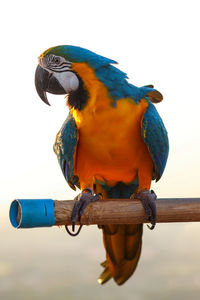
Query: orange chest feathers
[(110, 145)]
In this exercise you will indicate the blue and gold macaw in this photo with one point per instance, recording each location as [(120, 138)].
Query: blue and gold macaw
[(112, 145)]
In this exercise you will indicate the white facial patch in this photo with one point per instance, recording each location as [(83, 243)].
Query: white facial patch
[(68, 80)]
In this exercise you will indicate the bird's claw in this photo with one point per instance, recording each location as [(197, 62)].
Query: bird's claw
[(82, 201), (148, 199)]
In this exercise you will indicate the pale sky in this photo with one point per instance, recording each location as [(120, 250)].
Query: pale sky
[(155, 42)]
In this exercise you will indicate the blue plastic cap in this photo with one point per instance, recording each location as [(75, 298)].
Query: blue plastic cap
[(29, 213)]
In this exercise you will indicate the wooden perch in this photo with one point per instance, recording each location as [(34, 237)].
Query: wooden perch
[(30, 213), (126, 211)]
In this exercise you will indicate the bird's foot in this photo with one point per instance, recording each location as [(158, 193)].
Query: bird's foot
[(82, 201), (148, 199)]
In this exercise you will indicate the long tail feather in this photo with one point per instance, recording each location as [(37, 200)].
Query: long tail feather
[(122, 243), (122, 250)]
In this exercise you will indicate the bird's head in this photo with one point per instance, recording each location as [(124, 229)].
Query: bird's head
[(56, 74)]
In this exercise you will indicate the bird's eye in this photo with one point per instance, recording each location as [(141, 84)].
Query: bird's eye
[(56, 59)]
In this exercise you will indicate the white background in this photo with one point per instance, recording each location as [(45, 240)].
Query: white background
[(155, 42)]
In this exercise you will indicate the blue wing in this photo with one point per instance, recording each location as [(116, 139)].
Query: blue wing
[(155, 136), (65, 149)]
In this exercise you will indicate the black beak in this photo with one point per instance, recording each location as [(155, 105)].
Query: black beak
[(46, 82)]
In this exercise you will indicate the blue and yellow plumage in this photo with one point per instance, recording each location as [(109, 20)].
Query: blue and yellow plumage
[(113, 141)]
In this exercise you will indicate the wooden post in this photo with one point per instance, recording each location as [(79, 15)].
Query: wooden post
[(29, 213), (126, 211)]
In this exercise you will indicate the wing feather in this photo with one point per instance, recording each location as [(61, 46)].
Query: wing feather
[(155, 136), (65, 149)]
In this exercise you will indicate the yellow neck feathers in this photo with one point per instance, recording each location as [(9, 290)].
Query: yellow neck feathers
[(98, 93)]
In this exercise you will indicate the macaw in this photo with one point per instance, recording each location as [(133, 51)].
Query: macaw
[(112, 144)]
